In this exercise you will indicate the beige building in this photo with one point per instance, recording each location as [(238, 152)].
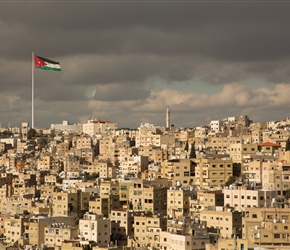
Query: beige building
[(35, 227), (95, 227), (149, 195), (240, 151), (133, 165), (44, 163), (267, 226), (106, 169), (147, 230), (206, 199), (178, 202), (100, 206), (213, 172), (242, 197), (221, 143), (112, 148), (122, 223), (157, 140), (84, 141), (170, 241), (182, 172), (229, 244), (223, 221), (96, 127), (124, 191), (56, 233), (70, 203), (252, 170), (13, 229)]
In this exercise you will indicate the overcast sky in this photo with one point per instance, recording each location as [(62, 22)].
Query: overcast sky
[(126, 61)]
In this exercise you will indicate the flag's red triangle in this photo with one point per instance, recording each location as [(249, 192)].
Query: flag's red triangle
[(38, 62)]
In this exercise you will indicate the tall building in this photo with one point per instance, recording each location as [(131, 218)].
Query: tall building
[(167, 118)]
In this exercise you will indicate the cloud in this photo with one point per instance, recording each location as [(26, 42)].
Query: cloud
[(115, 55)]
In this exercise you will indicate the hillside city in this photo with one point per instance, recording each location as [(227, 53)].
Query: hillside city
[(220, 186)]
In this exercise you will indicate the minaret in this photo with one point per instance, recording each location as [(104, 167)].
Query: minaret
[(167, 118)]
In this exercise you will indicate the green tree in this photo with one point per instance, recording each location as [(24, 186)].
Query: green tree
[(287, 148), (43, 142), (31, 133), (70, 145), (186, 146), (192, 151), (230, 180), (287, 194)]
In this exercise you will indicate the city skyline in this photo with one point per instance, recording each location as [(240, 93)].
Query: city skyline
[(128, 61)]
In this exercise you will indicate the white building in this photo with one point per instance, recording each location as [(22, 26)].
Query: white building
[(65, 126), (215, 125), (96, 127)]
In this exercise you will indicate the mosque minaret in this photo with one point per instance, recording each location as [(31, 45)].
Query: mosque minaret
[(167, 118)]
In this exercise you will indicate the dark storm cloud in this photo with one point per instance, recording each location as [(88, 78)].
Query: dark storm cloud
[(116, 48)]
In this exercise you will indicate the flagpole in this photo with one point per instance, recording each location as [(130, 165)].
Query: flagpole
[(32, 93)]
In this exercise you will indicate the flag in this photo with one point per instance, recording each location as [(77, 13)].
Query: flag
[(46, 64)]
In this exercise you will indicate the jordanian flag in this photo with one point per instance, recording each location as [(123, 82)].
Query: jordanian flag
[(46, 64)]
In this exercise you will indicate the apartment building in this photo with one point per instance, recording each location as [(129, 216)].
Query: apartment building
[(44, 163), (124, 192), (206, 199), (269, 148), (122, 223), (16, 205), (276, 176), (83, 141), (267, 226), (86, 154), (95, 127), (252, 170), (35, 227), (157, 140), (149, 195), (147, 230), (178, 202), (13, 228), (213, 172), (169, 241), (112, 148), (180, 171), (56, 233), (70, 203), (242, 197), (95, 227), (223, 221), (100, 206), (133, 165), (106, 169), (240, 151), (221, 143)]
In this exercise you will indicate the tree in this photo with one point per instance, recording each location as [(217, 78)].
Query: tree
[(31, 133), (287, 148), (287, 194), (186, 146), (230, 180), (70, 144), (192, 151)]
